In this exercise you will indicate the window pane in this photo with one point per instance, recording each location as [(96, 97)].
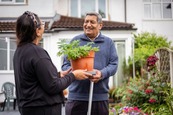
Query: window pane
[(3, 44), (167, 10), (74, 8), (6, 0), (11, 59), (102, 8), (147, 11), (166, 0), (121, 54), (20, 1), (87, 6), (156, 10), (3, 54), (12, 44), (12, 50), (3, 59)]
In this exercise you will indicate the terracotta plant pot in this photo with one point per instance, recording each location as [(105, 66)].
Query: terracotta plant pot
[(84, 62)]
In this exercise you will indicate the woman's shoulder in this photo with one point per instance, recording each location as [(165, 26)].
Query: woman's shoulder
[(39, 51)]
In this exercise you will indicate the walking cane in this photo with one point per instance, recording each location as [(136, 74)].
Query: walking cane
[(90, 98), (90, 94)]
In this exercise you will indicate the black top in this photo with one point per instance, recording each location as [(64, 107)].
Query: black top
[(36, 78)]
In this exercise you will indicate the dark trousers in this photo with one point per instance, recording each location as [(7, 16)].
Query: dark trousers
[(81, 108), (45, 110)]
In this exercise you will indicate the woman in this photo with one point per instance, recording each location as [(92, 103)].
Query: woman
[(39, 86)]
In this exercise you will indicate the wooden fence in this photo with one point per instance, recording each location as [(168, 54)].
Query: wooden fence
[(165, 63)]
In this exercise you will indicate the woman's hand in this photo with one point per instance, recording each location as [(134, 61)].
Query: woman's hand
[(63, 73), (81, 74)]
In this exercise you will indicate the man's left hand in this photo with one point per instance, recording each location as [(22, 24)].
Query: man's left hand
[(95, 78)]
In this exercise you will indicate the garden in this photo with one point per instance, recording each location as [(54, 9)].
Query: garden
[(149, 92)]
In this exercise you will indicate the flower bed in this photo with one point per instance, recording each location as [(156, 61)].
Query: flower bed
[(151, 95)]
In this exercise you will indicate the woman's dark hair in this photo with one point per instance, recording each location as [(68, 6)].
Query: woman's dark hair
[(26, 26)]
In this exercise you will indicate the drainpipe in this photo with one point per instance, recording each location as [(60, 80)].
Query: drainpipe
[(108, 11), (125, 10)]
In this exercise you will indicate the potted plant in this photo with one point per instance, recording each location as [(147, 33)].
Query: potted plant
[(81, 57)]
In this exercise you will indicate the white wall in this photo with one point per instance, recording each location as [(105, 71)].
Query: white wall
[(135, 15), (41, 7), (116, 10), (63, 7), (163, 28), (135, 12)]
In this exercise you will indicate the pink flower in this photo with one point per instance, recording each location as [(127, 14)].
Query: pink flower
[(136, 109), (131, 111)]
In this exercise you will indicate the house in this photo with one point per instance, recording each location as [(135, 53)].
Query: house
[(64, 20)]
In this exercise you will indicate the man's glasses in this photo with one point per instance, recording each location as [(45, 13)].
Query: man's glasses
[(32, 16)]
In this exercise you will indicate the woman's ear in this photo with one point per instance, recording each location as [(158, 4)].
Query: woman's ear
[(38, 32)]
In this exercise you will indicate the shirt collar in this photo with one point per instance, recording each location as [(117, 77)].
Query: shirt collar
[(94, 38)]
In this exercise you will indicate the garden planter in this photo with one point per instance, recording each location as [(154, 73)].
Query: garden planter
[(84, 62)]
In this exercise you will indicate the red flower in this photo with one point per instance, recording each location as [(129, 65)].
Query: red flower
[(151, 60), (148, 91), (152, 100), (130, 91)]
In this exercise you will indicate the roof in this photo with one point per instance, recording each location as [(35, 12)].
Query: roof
[(61, 23), (7, 26)]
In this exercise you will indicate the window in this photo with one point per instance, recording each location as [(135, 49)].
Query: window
[(120, 46), (78, 8), (12, 1), (158, 9), (7, 49)]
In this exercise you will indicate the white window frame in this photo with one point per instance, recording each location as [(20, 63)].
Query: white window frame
[(12, 2), (7, 40), (151, 9), (96, 7)]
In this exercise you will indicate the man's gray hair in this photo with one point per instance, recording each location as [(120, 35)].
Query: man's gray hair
[(99, 17)]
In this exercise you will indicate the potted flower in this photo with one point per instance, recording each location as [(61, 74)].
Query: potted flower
[(81, 57)]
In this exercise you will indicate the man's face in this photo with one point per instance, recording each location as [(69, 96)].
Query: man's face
[(91, 27)]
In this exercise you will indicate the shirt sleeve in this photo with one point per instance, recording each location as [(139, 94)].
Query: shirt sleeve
[(49, 78), (66, 64), (112, 66)]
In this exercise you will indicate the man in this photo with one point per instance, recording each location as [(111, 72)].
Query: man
[(105, 65)]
